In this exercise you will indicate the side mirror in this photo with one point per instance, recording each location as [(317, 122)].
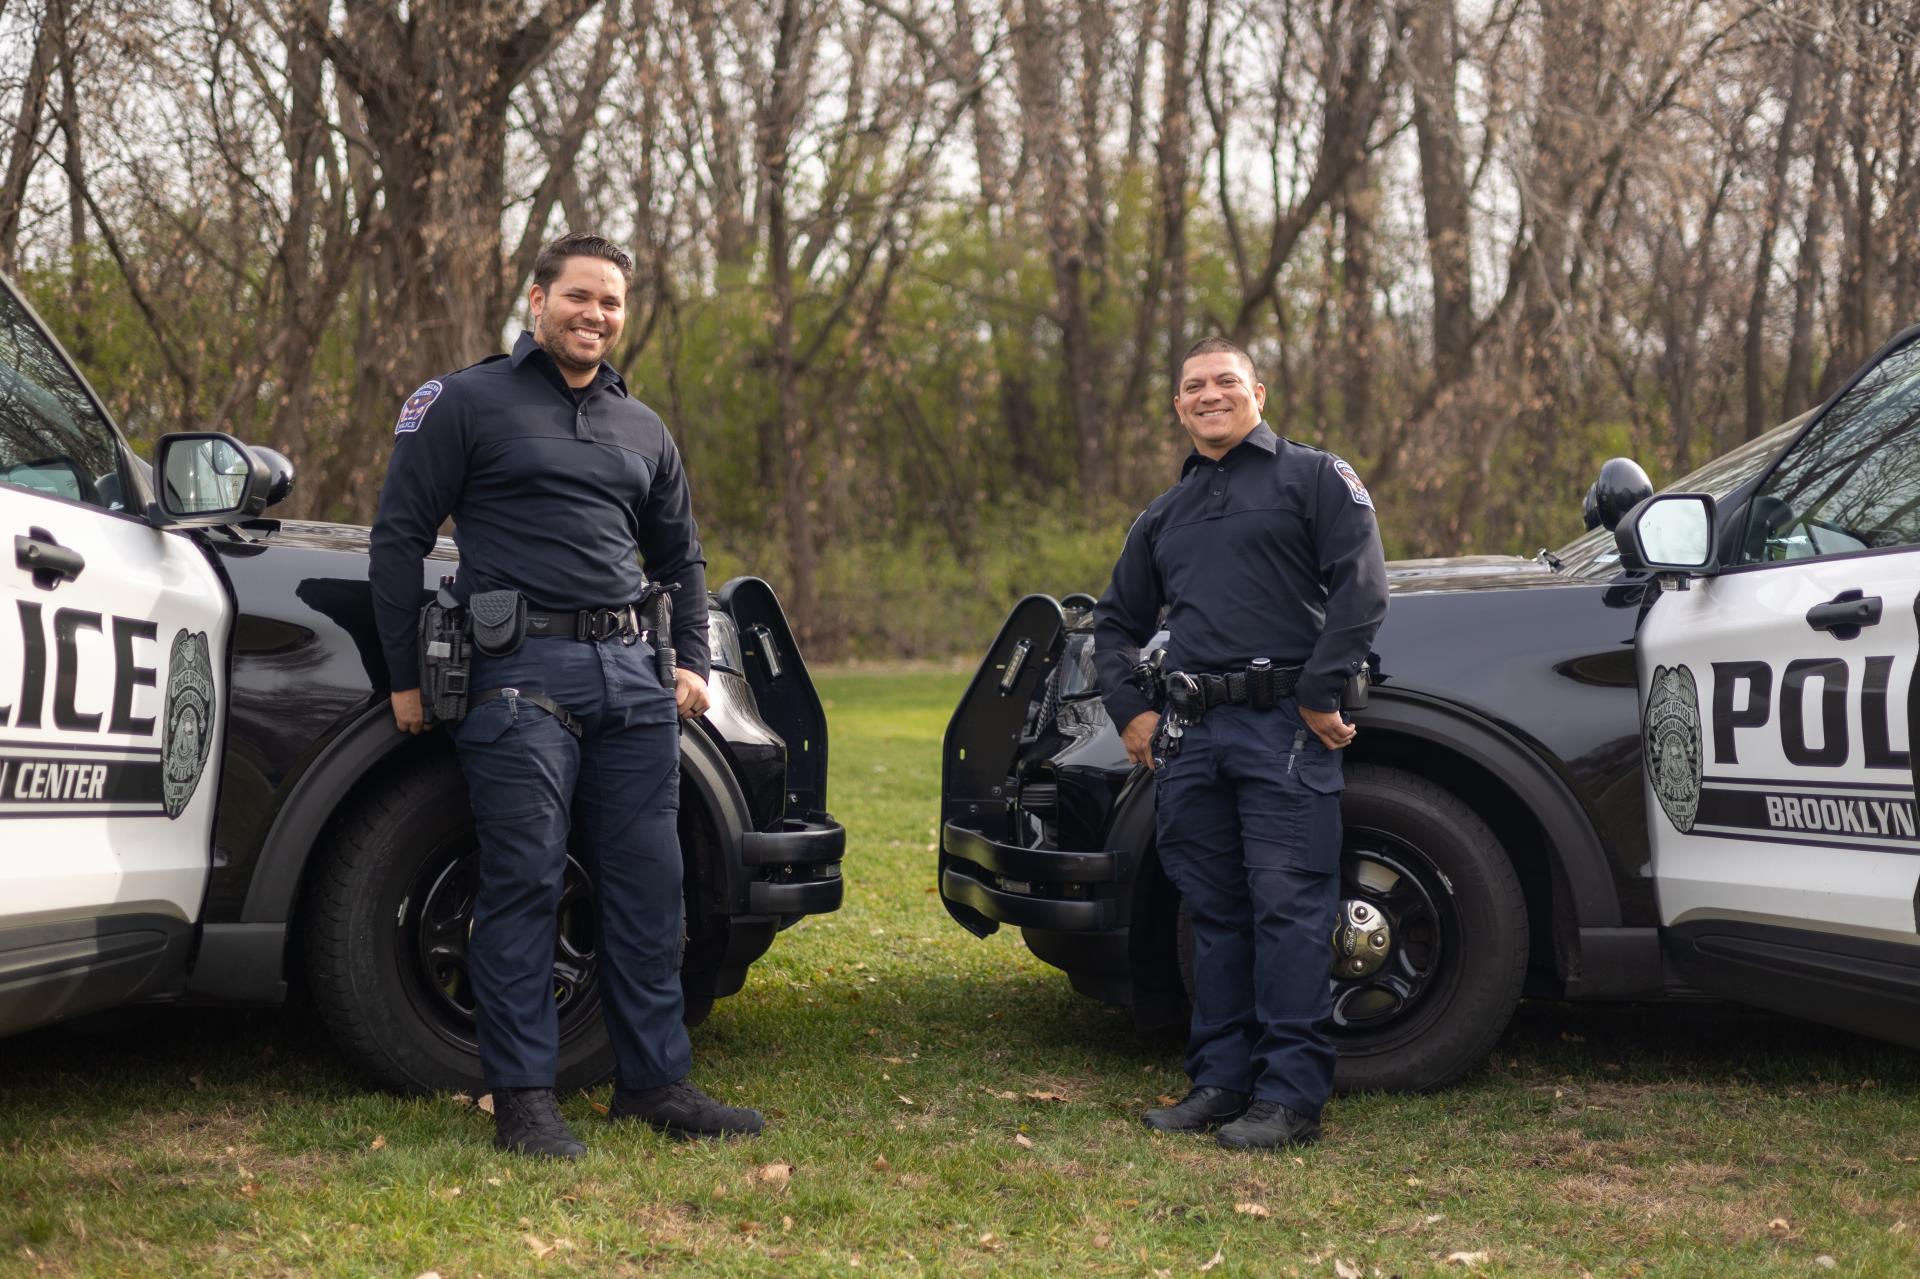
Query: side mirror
[(1623, 485), (206, 477), (1672, 533), (279, 473)]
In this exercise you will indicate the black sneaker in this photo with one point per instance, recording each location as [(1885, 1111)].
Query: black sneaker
[(683, 1112), (1268, 1125), (527, 1121), (1203, 1108)]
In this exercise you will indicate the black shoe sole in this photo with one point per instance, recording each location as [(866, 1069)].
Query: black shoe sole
[(1288, 1142), (677, 1133), (507, 1148)]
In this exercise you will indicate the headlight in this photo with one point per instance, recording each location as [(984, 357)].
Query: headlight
[(723, 640), (1077, 678)]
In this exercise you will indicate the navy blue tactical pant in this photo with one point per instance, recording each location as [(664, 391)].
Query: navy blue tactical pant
[(616, 792), (1249, 830)]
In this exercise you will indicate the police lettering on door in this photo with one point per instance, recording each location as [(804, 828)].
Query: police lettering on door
[(86, 729), (1813, 751)]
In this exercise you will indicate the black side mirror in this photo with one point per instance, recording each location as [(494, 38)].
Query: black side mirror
[(207, 477), (1672, 533), (279, 473)]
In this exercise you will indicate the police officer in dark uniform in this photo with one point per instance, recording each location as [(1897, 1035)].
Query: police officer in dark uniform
[(560, 484), (1267, 561)]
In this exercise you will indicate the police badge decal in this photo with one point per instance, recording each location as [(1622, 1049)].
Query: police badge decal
[(1671, 733), (189, 720)]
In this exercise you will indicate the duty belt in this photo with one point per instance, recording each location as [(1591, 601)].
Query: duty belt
[(587, 623), (1192, 695)]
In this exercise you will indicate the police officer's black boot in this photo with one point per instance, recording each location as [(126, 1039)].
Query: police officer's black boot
[(1203, 1108), (1268, 1125), (683, 1112), (527, 1121)]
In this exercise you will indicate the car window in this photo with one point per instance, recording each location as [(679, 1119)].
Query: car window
[(52, 439), (1853, 481)]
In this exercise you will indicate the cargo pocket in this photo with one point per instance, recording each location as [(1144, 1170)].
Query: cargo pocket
[(1322, 779)]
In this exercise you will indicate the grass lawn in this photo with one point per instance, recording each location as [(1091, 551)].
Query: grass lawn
[(943, 1105)]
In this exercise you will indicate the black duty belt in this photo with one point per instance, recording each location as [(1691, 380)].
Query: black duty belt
[(587, 623), (1193, 694)]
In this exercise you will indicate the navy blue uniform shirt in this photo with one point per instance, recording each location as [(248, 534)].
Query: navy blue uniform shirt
[(1271, 551), (557, 494)]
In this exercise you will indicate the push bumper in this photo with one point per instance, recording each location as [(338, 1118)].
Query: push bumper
[(796, 869), (1042, 888)]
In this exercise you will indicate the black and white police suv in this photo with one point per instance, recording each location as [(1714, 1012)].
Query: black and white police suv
[(1668, 760), (202, 791)]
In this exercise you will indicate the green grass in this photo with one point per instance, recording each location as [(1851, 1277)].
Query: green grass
[(898, 1058)]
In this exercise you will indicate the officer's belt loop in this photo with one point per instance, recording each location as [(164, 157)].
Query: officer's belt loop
[(547, 704)]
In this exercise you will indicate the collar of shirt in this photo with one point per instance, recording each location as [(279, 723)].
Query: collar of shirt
[(526, 348), (1260, 437)]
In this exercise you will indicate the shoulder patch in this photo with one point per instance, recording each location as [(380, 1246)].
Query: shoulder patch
[(1346, 472), (414, 411)]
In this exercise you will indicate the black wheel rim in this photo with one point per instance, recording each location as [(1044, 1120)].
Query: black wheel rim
[(1396, 1001), (435, 923)]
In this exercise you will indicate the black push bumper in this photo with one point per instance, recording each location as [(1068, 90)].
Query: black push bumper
[(795, 870), (1029, 887)]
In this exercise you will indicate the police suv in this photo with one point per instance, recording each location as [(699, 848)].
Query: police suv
[(1673, 758), (202, 791)]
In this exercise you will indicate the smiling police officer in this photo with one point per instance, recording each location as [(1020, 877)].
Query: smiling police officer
[(1267, 560), (560, 484)]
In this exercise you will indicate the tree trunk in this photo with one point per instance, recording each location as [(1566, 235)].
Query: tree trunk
[(1756, 343), (24, 147), (1443, 188), (1796, 394)]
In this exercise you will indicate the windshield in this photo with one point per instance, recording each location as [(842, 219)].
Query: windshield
[(1594, 552)]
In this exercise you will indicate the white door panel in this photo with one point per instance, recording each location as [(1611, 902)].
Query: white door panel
[(111, 687), (1781, 790)]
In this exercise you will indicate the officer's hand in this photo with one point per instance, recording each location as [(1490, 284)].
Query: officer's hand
[(689, 693), (1137, 737), (1329, 727), (407, 716)]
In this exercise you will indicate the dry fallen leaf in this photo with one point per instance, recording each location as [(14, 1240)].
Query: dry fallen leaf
[(1478, 1258), (1103, 1241), (1252, 1210), (1045, 1096), (1825, 1262), (494, 1181), (1023, 1141), (485, 1104), (538, 1246), (1345, 1269), (902, 1097), (428, 1274), (880, 1164), (872, 1031), (774, 1174), (378, 1143), (451, 1192), (786, 1223), (1219, 1257), (1779, 1226)]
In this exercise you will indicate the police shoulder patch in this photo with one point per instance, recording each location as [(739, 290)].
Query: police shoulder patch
[(414, 411), (1346, 472)]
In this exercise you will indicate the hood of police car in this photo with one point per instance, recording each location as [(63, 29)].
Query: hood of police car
[(323, 535), (1468, 573)]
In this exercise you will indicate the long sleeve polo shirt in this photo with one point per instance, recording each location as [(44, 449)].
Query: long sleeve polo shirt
[(1271, 551), (559, 494)]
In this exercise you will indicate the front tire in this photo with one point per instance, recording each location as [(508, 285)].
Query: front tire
[(386, 925), (1424, 1002)]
